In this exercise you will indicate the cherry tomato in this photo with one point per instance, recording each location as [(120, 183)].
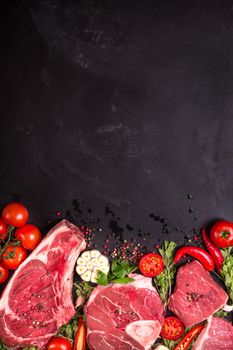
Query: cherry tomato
[(3, 230), (15, 214), (29, 236), (172, 328), (221, 234), (3, 274), (151, 264), (59, 343), (13, 256)]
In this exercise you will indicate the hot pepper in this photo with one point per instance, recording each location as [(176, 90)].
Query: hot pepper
[(198, 253), (213, 250), (189, 337), (80, 338)]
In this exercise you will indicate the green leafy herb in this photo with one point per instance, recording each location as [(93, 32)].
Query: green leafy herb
[(171, 343), (83, 289), (165, 280), (2, 346), (227, 271), (118, 273), (102, 278), (69, 330), (30, 348), (124, 280), (220, 313)]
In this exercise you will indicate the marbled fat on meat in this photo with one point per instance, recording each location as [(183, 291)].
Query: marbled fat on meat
[(38, 299), (126, 317)]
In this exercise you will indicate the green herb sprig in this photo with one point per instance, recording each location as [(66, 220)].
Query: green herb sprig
[(227, 271), (118, 273), (69, 330), (165, 280), (2, 346), (83, 289)]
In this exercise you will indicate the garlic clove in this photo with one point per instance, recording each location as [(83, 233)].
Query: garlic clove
[(86, 276), (95, 253), (81, 269), (94, 261), (103, 261), (86, 256), (81, 261), (89, 265)]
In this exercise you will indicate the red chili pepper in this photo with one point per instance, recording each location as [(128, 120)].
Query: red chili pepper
[(198, 253), (213, 250), (189, 337), (80, 338)]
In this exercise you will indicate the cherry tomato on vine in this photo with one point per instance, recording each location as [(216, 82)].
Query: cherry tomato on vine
[(172, 328), (59, 343), (13, 256), (221, 234), (15, 214), (151, 264), (3, 230), (3, 274), (29, 236)]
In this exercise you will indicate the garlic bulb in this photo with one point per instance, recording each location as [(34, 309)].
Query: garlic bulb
[(89, 263)]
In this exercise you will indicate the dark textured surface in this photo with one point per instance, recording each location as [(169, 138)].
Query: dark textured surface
[(127, 103)]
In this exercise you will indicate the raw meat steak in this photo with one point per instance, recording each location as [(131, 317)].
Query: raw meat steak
[(126, 317), (217, 335), (196, 295), (38, 299)]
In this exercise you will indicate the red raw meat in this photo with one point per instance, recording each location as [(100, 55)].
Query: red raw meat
[(217, 335), (196, 295), (126, 317), (38, 299)]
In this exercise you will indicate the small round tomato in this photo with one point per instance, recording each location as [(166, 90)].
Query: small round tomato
[(221, 234), (29, 236), (13, 256), (15, 214), (172, 328), (3, 230), (151, 264), (59, 343), (3, 274)]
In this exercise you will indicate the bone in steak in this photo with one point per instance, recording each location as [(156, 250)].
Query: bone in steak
[(126, 317), (196, 295), (217, 335), (38, 299)]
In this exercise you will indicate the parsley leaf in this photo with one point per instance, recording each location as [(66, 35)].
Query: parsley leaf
[(118, 273)]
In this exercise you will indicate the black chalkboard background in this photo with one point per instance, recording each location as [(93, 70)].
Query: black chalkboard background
[(118, 113)]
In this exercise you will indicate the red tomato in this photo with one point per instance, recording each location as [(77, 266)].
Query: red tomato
[(151, 264), (59, 343), (3, 230), (221, 234), (3, 274), (29, 236), (13, 256), (172, 328), (15, 214)]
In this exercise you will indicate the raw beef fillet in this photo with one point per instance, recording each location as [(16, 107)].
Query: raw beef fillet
[(196, 295), (217, 335), (38, 299), (124, 317)]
